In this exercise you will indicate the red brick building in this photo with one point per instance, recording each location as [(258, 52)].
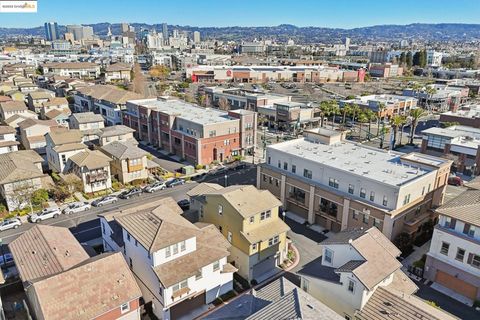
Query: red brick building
[(198, 135)]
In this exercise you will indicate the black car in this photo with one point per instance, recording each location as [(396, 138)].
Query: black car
[(174, 182), (130, 193), (184, 204)]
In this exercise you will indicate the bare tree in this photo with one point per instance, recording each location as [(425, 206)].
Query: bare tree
[(223, 104), (21, 195)]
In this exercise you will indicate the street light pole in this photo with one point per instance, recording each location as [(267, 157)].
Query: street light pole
[(226, 180)]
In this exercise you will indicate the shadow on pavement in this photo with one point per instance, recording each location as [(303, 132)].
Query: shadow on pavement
[(302, 229)]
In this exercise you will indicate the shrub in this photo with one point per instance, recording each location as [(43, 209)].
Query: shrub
[(199, 167), (433, 304), (39, 197), (404, 243), (56, 178)]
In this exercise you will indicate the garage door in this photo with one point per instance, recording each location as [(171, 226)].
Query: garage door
[(456, 285), (187, 306), (264, 267)]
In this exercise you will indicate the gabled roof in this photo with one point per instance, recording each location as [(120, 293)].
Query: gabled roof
[(90, 159), (30, 122), (60, 136), (13, 105), (119, 66), (45, 250), (19, 166), (109, 93), (6, 129), (211, 246), (52, 114), (115, 131), (159, 227), (124, 150), (203, 188), (379, 253), (41, 94), (465, 207), (87, 117), (55, 101), (87, 290), (240, 198)]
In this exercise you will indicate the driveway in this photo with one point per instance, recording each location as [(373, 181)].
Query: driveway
[(162, 160)]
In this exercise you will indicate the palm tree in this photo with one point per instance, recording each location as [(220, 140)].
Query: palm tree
[(355, 111), (362, 118), (324, 111), (381, 108), (396, 122), (371, 117), (415, 115), (346, 110), (334, 110)]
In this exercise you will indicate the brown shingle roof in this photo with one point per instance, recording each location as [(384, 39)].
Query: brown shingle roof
[(87, 117), (465, 207), (158, 228), (6, 130), (109, 93), (19, 165), (115, 131), (88, 290), (90, 159), (70, 65), (119, 66), (211, 247), (60, 136), (56, 101), (124, 150), (31, 122), (203, 188), (384, 304), (52, 114), (13, 106), (41, 94), (45, 250)]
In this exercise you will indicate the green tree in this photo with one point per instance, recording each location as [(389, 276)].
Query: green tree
[(415, 115), (325, 110), (396, 122), (346, 110), (355, 111), (334, 110), (362, 119), (39, 197), (402, 60), (371, 117), (409, 59), (223, 104), (403, 242)]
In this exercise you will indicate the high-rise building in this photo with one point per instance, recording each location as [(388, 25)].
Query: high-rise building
[(165, 30), (125, 27), (196, 37), (80, 32), (51, 31)]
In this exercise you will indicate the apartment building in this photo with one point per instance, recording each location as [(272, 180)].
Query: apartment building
[(385, 70), (466, 115), (453, 261), (441, 98), (241, 98), (61, 144), (198, 135), (461, 144), (359, 277), (179, 266), (8, 142), (52, 265), (115, 133), (341, 185), (89, 123), (107, 100), (82, 70), (11, 108), (254, 228), (54, 103), (385, 105), (119, 71), (290, 116), (35, 99)]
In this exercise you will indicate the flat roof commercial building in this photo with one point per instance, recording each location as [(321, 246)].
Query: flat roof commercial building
[(393, 104), (341, 185)]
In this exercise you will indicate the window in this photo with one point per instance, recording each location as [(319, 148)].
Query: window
[(294, 168), (297, 194), (362, 193), (285, 166), (64, 159), (351, 285), (168, 253), (270, 180), (444, 249), (180, 285), (183, 246), (277, 183), (333, 183), (307, 173), (125, 307), (423, 191), (160, 291), (229, 236), (385, 201), (351, 189), (199, 275), (220, 209), (254, 246), (216, 266), (136, 243), (268, 214), (366, 217), (354, 215), (376, 223), (328, 256), (328, 207), (469, 230), (128, 236), (304, 284), (273, 241), (252, 219), (175, 248), (460, 254), (279, 164), (474, 260), (264, 178), (450, 223), (372, 196), (269, 160)]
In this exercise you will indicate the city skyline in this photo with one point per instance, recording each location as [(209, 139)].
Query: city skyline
[(313, 13)]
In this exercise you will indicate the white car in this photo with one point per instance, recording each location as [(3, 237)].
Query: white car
[(155, 187), (104, 201), (44, 215), (7, 224), (77, 207)]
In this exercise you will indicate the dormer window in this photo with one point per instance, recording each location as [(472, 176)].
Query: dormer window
[(328, 256), (351, 286)]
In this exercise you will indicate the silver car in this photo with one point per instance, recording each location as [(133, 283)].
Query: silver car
[(155, 187), (77, 207), (104, 201), (44, 215), (7, 224)]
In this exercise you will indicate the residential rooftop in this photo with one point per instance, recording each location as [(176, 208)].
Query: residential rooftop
[(466, 111), (185, 110), (87, 117), (464, 207)]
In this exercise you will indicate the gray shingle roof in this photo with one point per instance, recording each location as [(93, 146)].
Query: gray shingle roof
[(124, 150), (465, 207), (19, 166)]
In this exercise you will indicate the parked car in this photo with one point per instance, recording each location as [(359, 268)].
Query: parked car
[(77, 207), (6, 260), (105, 200), (130, 193), (184, 204), (155, 187), (454, 180), (45, 214), (7, 224), (174, 182)]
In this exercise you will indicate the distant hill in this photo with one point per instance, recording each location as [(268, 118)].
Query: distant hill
[(436, 32)]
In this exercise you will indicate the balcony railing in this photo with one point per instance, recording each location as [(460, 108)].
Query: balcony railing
[(96, 177), (458, 234)]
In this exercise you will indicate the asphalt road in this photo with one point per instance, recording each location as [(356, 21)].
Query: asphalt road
[(85, 225), (235, 177)]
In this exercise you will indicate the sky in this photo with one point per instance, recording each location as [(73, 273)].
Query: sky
[(320, 13)]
